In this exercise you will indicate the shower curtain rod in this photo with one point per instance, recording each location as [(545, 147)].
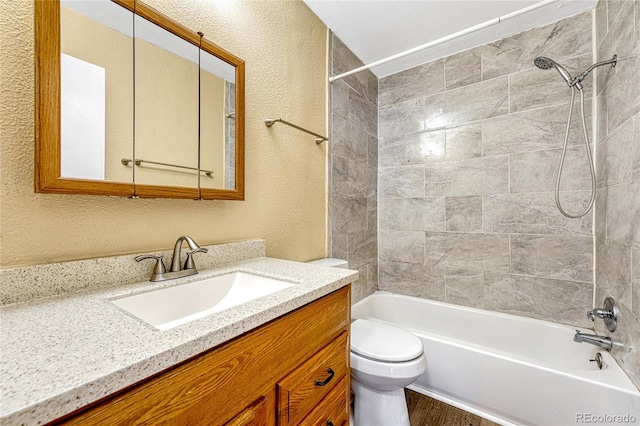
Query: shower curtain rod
[(444, 39)]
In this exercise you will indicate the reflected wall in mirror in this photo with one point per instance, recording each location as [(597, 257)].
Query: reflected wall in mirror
[(230, 135), (217, 115), (96, 40), (166, 107), (129, 102)]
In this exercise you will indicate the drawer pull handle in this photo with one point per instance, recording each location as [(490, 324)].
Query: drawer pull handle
[(329, 423), (327, 380)]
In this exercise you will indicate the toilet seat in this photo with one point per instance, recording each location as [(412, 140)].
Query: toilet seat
[(384, 342), (386, 375)]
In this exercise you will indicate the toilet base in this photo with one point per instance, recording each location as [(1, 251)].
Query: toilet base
[(374, 407)]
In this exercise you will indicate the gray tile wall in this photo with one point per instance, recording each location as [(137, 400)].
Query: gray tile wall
[(466, 164), (353, 170), (468, 152), (617, 228)]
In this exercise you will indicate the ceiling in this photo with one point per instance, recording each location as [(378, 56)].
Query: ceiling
[(377, 29)]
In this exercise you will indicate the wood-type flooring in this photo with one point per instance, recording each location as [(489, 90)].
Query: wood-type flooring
[(426, 411)]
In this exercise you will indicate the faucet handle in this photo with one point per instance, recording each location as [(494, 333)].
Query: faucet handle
[(591, 315), (609, 313), (158, 268), (189, 264)]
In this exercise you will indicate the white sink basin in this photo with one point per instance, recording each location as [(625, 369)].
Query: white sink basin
[(170, 307)]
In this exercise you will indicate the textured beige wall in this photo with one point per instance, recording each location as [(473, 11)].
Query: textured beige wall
[(284, 46)]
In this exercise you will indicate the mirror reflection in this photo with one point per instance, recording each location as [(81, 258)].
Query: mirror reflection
[(166, 107), (96, 40), (217, 113), (139, 104), (230, 136)]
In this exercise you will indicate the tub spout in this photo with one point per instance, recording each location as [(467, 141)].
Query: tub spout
[(599, 341)]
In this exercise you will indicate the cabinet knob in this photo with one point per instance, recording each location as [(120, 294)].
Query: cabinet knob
[(327, 380), (329, 423)]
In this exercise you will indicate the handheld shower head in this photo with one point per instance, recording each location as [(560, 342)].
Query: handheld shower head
[(545, 63)]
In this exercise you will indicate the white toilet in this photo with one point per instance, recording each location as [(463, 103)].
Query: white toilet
[(384, 359), (330, 262)]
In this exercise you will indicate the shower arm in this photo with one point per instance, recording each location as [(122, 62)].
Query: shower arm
[(584, 75)]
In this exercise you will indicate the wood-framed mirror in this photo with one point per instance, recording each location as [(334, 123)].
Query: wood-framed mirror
[(131, 103)]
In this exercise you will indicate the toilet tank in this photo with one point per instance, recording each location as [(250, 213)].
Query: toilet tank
[(330, 261)]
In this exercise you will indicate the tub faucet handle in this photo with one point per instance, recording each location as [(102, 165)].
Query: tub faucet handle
[(600, 313), (608, 312)]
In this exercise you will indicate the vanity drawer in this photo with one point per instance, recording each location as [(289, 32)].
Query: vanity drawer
[(333, 410), (303, 389)]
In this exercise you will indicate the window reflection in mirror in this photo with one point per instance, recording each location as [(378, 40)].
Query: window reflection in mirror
[(96, 90), (166, 107), (217, 113)]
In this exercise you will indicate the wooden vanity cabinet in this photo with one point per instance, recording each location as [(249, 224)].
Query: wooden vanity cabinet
[(276, 374), (255, 414)]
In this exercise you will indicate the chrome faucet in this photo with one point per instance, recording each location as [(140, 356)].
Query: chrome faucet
[(599, 341), (177, 269)]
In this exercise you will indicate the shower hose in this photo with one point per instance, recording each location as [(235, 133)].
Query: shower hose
[(564, 150)]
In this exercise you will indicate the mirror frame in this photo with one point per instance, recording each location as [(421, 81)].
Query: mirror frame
[(47, 167)]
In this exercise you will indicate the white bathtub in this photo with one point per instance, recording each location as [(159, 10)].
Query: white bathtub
[(509, 369)]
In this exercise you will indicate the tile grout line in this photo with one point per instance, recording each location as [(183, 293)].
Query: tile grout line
[(508, 94), (444, 74)]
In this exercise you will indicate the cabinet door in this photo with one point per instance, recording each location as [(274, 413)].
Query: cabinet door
[(333, 410), (253, 415), (302, 389)]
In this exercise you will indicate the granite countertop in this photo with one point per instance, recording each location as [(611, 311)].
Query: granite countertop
[(62, 353)]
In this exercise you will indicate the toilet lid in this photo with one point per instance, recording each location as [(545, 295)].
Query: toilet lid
[(384, 342)]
